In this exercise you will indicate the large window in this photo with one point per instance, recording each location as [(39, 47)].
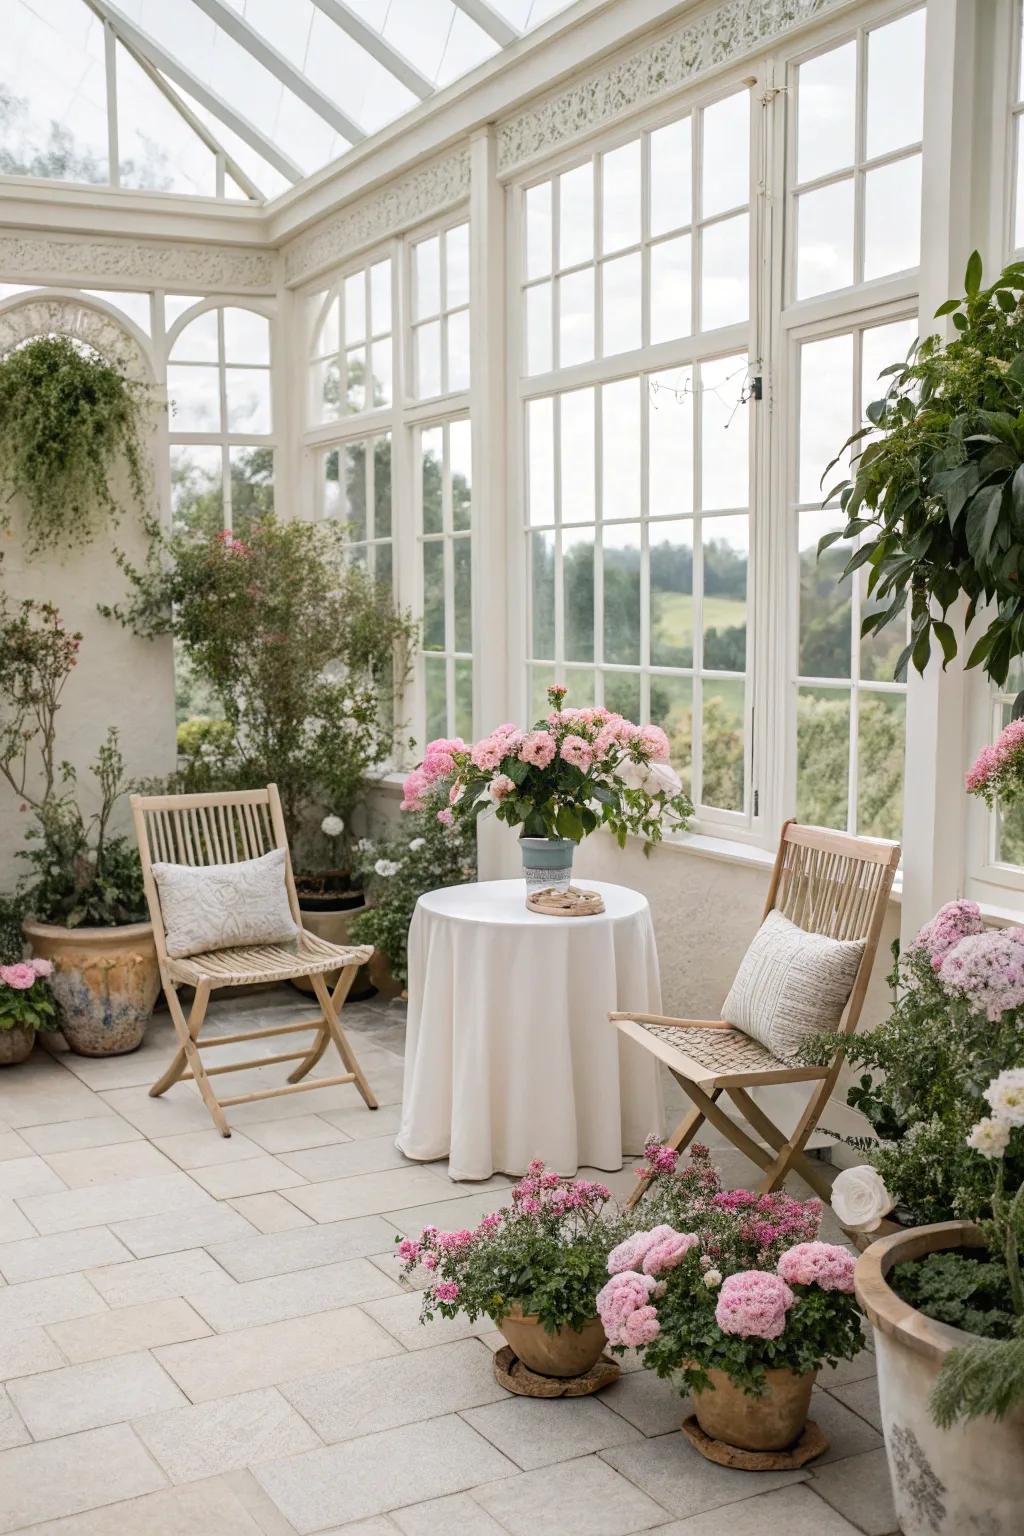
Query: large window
[(445, 485), (356, 491), (439, 291), (351, 368)]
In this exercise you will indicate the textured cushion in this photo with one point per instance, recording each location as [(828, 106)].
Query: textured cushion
[(219, 906), (791, 984)]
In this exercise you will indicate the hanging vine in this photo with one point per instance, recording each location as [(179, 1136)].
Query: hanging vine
[(68, 418)]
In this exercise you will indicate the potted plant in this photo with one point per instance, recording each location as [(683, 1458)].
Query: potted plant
[(534, 1266), (27, 1007), (84, 897), (574, 771), (735, 1299)]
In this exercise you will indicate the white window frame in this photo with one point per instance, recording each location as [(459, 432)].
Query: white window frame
[(446, 538)]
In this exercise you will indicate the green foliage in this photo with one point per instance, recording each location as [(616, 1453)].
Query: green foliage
[(985, 1378), (67, 419), (959, 1288), (939, 488), (31, 1007), (12, 943)]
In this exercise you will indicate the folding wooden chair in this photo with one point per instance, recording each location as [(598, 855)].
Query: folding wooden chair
[(825, 882), (222, 829)]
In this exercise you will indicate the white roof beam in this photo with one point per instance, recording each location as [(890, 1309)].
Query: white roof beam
[(141, 43), (236, 27), (492, 22), (394, 62)]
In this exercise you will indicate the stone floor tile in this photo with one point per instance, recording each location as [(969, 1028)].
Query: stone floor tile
[(794, 1511), (134, 1069), (278, 1352), (228, 1307), (38, 1258), (859, 1368), (371, 1155), (46, 1096), (356, 1122), (14, 1146), (295, 1134), (315, 1101), (12, 1426), (270, 1212), (47, 1301), (859, 1488), (677, 1476), (89, 1396), (381, 1525), (459, 1512), (450, 1212), (365, 1477), (390, 1265), (365, 1194), (109, 1165), (148, 1280), (203, 1149), (253, 1176), (644, 1400), (23, 1351), (279, 1253), (62, 1477), (585, 1497), (848, 1433), (385, 1394), (526, 1431), (862, 1397), (23, 1176), (102, 1204), (103, 1130), (191, 1510), (13, 1223), (123, 1330), (209, 1438), (173, 1231), (400, 1315), (180, 1109)]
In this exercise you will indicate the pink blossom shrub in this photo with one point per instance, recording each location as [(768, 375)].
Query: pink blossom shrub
[(669, 1253), (624, 1307), (998, 770), (988, 970), (823, 1264), (753, 1304), (955, 921)]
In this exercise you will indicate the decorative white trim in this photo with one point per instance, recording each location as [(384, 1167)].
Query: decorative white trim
[(718, 37), (97, 327), (155, 263), (428, 191)]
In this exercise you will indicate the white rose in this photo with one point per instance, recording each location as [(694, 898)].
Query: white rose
[(860, 1198), (364, 845), (990, 1137), (662, 778), (332, 826), (416, 844), (1005, 1093), (712, 1278), (633, 775), (386, 868)]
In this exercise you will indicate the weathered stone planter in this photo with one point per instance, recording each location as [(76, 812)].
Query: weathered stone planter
[(105, 981), (771, 1422), (569, 1352), (16, 1044), (964, 1481)]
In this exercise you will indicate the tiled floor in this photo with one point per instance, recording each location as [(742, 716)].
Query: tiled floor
[(201, 1335)]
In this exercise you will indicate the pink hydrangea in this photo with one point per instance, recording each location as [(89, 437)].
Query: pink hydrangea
[(823, 1264), (501, 787), (578, 752), (988, 970), (446, 1290), (488, 753), (409, 1250), (20, 976), (615, 732), (753, 1304), (624, 1307), (955, 921), (41, 967), (1000, 767), (414, 791), (669, 1253), (537, 748), (654, 743), (630, 1254), (445, 817), (455, 1242)]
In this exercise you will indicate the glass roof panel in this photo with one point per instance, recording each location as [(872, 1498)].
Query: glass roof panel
[(157, 150), (53, 113)]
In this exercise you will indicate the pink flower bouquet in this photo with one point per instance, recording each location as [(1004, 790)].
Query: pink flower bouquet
[(26, 1001)]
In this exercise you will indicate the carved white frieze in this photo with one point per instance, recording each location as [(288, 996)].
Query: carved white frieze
[(77, 318), (158, 263)]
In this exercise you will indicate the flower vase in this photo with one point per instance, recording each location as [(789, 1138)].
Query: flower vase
[(547, 862), (772, 1422), (566, 1353)]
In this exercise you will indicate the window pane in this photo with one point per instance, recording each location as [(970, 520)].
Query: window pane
[(430, 469), (427, 277), (382, 372), (892, 217), (823, 756), (457, 266), (252, 486), (541, 679), (197, 489), (881, 746), (380, 297), (355, 308), (541, 460), (382, 571), (326, 339), (672, 709), (332, 496), (670, 177), (670, 435), (826, 112), (542, 589), (1018, 215), (458, 350), (355, 373), (824, 239), (576, 318), (670, 289), (428, 359), (725, 473), (880, 651), (577, 456), (724, 607), (880, 346), (198, 343), (725, 272), (725, 163), (538, 230), (327, 397), (433, 595), (353, 470), (826, 412), (463, 596), (464, 699), (671, 563), (578, 593), (620, 449), (826, 613), (246, 336), (724, 714), (620, 301), (620, 197), (895, 104), (576, 216), (538, 328), (622, 693), (582, 687), (435, 670), (460, 453), (621, 543), (382, 487), (194, 394)]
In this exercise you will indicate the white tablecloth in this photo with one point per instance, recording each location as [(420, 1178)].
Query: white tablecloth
[(509, 1052)]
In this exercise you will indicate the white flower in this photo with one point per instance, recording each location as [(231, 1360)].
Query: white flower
[(662, 778), (348, 705), (416, 844), (860, 1198), (633, 775), (332, 826), (386, 868), (990, 1137), (712, 1278), (364, 845), (1005, 1093)]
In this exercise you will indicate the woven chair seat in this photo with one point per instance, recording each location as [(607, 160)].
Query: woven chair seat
[(717, 1052), (309, 956)]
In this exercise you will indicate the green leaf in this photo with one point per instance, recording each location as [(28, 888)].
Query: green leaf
[(947, 308), (972, 277), (947, 639), (922, 649), (982, 521), (960, 321)]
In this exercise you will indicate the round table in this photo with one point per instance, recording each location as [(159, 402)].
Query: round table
[(509, 1051)]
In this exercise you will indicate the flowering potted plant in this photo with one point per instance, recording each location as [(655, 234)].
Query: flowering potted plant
[(738, 1300), (26, 1005), (574, 771), (997, 773), (534, 1266)]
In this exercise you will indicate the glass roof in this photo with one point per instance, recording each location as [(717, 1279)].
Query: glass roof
[(229, 98)]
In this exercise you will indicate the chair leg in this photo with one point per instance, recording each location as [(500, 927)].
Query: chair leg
[(342, 987), (680, 1140), (721, 1121), (339, 1037), (188, 1032), (791, 1157)]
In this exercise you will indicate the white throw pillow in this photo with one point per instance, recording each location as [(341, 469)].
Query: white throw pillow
[(791, 984), (220, 906)]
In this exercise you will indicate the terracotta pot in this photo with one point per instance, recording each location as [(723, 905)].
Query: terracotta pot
[(334, 925), (569, 1352), (105, 981), (964, 1481), (16, 1044), (771, 1422)]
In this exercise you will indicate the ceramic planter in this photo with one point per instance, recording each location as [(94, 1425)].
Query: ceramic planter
[(16, 1044), (772, 1422), (569, 1352), (964, 1481), (547, 861), (105, 981)]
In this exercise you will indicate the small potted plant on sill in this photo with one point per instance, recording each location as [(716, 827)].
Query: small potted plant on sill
[(534, 1266), (735, 1299)]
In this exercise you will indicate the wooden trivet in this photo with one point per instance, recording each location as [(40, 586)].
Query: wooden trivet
[(571, 903), (813, 1442), (514, 1376)]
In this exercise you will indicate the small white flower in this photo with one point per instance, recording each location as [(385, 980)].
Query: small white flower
[(712, 1278), (1005, 1093), (364, 845), (332, 826), (990, 1137), (416, 844), (348, 705), (860, 1198), (386, 868)]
